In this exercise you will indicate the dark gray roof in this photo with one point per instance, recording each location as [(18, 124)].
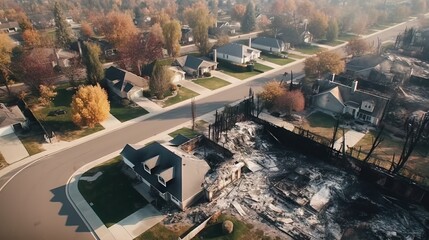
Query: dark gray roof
[(188, 171), (269, 42), (364, 62), (357, 97), (193, 62), (124, 80), (235, 49)]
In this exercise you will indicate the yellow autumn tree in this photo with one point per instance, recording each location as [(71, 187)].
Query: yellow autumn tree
[(90, 106), (270, 92)]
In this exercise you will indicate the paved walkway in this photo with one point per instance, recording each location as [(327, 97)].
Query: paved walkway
[(110, 122), (277, 121), (12, 149), (148, 104), (352, 138), (193, 86), (137, 223), (226, 77)]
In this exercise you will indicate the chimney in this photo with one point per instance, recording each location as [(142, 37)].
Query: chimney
[(354, 86), (250, 42), (215, 55)]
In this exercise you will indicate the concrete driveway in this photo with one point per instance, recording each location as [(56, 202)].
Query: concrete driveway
[(12, 149), (352, 138)]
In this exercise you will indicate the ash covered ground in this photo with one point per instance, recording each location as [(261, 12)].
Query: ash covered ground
[(306, 198)]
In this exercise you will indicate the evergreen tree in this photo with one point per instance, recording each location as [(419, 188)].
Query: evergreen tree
[(248, 23), (94, 68), (332, 32), (63, 33)]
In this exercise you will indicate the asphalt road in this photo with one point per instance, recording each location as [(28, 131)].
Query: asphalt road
[(33, 205)]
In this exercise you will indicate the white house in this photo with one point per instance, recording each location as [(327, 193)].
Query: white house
[(236, 53), (11, 118), (194, 66), (268, 44)]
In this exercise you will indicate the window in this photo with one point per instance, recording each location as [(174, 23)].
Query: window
[(146, 168), (161, 180)]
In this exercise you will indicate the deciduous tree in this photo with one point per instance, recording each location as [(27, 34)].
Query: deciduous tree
[(172, 35), (63, 32), (6, 46), (31, 38), (248, 23), (332, 32), (290, 101), (160, 80), (90, 106), (322, 63), (91, 59), (318, 24), (357, 47), (117, 27), (86, 30), (270, 92), (199, 19), (47, 93), (237, 12)]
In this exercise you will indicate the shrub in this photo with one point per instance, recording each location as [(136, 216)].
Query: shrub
[(227, 227), (125, 102), (147, 94), (173, 87), (207, 74)]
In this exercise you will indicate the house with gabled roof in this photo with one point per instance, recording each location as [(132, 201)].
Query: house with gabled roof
[(236, 53), (11, 118), (168, 172), (125, 84), (194, 66), (341, 99), (268, 44)]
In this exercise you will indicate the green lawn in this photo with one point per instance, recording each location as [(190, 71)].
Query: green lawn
[(295, 56), (276, 60), (241, 230), (62, 125), (332, 43), (125, 113), (346, 37), (32, 140), (321, 124), (212, 83), (262, 67), (161, 232), (187, 132), (309, 49), (182, 95), (239, 75), (112, 196)]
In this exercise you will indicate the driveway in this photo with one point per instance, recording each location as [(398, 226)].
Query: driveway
[(12, 149)]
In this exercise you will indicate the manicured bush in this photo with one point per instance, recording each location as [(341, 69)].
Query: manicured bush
[(207, 74), (173, 87), (125, 102), (227, 227)]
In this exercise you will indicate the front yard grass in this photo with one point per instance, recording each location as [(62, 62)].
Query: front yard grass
[(239, 75), (276, 60), (32, 140), (241, 230), (62, 125), (211, 83), (262, 67), (311, 49), (347, 37), (332, 43), (321, 124), (125, 113), (112, 196), (295, 56), (182, 95), (161, 232), (187, 132)]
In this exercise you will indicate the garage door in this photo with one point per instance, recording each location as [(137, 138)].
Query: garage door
[(6, 130)]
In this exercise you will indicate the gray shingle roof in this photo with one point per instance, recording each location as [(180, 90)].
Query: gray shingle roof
[(269, 42), (235, 49), (10, 116), (188, 171), (193, 62), (125, 80)]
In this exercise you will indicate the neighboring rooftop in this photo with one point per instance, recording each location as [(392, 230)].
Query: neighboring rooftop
[(237, 50), (10, 115)]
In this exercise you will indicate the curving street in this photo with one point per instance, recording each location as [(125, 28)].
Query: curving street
[(33, 204)]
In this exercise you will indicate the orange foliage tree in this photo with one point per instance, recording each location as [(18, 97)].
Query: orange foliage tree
[(290, 101)]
